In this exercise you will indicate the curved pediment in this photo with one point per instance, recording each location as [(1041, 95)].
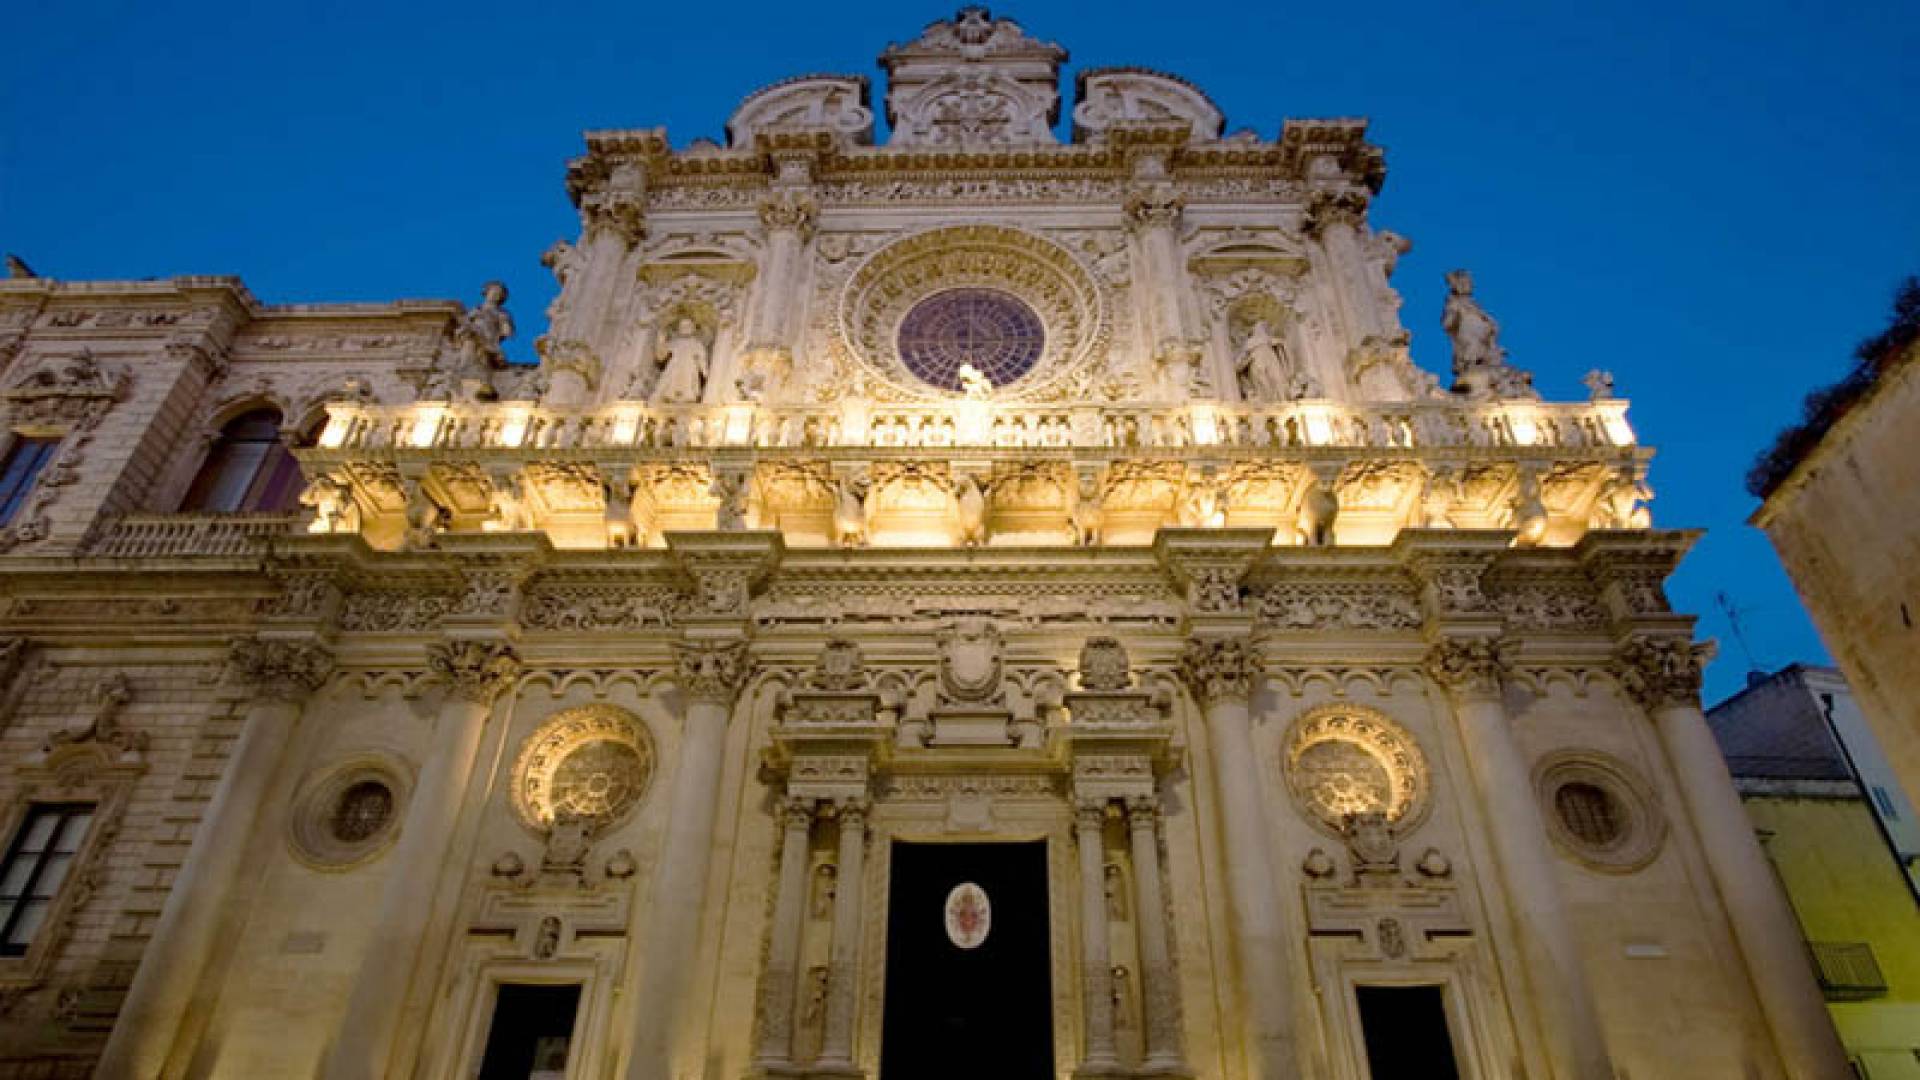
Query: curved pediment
[(1110, 96), (834, 103)]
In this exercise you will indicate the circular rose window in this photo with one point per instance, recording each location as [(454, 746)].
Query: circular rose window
[(995, 332)]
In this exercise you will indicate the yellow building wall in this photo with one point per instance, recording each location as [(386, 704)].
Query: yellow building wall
[(1845, 887)]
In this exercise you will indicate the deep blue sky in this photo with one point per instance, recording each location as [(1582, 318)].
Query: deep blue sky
[(1714, 201)]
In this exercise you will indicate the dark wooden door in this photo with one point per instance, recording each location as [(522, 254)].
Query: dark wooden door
[(955, 1012)]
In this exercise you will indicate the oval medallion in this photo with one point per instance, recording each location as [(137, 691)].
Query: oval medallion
[(969, 916)]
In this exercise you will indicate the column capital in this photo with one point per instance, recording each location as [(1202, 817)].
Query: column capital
[(478, 671), (711, 671), (798, 811), (853, 810), (1154, 205), (1663, 671), (1090, 811), (1335, 206), (278, 668), (1142, 810), (1220, 669), (791, 211), (1470, 667)]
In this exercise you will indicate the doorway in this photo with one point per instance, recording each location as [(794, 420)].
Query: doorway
[(531, 1035), (1406, 1033), (969, 981)]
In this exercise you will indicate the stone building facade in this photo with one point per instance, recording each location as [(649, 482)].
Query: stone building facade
[(968, 597)]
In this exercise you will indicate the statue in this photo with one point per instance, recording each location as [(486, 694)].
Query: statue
[(1319, 507), (1480, 365), (564, 260), (476, 340), (1263, 373), (683, 376), (330, 505), (974, 384), (730, 488), (850, 512), (1599, 385)]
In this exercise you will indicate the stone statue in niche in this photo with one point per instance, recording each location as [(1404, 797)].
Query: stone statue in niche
[(1264, 373), (547, 942), (1116, 885), (476, 343), (683, 373), (1480, 366), (825, 880)]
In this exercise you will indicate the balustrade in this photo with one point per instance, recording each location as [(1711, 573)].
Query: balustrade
[(148, 536)]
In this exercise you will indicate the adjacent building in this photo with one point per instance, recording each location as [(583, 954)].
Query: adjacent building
[(992, 597), (1846, 843)]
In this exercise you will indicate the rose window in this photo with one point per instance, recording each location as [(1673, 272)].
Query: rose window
[(1339, 778), (599, 780), (1343, 760), (363, 810), (993, 331)]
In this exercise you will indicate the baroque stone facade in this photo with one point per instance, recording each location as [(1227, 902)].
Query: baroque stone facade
[(975, 485)]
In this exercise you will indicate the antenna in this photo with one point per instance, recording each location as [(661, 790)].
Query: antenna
[(1725, 604)]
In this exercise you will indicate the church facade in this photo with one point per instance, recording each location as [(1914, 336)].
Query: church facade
[(965, 602)]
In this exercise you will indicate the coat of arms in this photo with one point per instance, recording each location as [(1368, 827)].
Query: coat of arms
[(969, 915), (970, 661)]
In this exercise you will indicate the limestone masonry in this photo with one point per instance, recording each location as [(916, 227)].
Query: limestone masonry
[(1064, 518)]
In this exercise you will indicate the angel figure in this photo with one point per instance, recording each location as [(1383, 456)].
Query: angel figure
[(974, 384)]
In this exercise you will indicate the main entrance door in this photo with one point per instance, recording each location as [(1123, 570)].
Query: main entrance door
[(968, 982)]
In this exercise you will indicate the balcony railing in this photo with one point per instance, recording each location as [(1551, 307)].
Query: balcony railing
[(148, 536), (1517, 424)]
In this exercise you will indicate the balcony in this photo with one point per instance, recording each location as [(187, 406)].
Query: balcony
[(160, 536)]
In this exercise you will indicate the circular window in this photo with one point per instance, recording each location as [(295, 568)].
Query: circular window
[(362, 811), (995, 332), (348, 813), (1342, 760), (592, 763), (1599, 812)]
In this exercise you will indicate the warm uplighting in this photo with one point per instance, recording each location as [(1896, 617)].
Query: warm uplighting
[(1206, 426), (626, 427), (334, 435), (972, 422), (739, 424), (426, 425), (1614, 418), (513, 428), (1521, 422), (1317, 420)]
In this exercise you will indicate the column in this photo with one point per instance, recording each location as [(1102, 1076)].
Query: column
[(787, 216), (1096, 967), (1157, 984), (1334, 218), (1471, 670), (614, 223), (1220, 672), (1153, 211), (783, 948), (710, 675), (1663, 674), (476, 672), (843, 964), (281, 675)]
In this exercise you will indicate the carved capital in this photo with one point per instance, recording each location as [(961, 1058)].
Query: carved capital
[(281, 670), (797, 812), (567, 354), (792, 211), (1154, 206), (1663, 671), (478, 671), (1469, 667), (1090, 814), (711, 671), (1338, 206), (1143, 811), (1220, 669), (622, 213), (852, 810)]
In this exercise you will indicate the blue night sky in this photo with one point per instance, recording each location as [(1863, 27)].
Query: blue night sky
[(1712, 201)]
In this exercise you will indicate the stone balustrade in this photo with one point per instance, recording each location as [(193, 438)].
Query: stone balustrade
[(152, 536), (1520, 424)]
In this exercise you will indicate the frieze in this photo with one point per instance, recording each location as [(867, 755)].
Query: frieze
[(600, 607), (1338, 607), (393, 610), (1548, 607), (915, 787)]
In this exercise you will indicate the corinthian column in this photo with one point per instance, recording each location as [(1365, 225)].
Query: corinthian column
[(476, 672), (1663, 675), (1153, 211), (843, 964), (783, 948), (1333, 218), (787, 218), (1164, 1054), (1221, 672), (710, 675), (1471, 670), (1096, 968), (281, 675), (613, 216)]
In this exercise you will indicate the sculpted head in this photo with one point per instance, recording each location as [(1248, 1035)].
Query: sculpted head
[(685, 327), (1461, 282), (494, 293)]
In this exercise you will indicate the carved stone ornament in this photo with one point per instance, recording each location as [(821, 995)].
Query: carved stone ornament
[(1104, 665), (970, 661), (1663, 671), (839, 667), (102, 728), (1220, 669), (279, 670), (1342, 761), (591, 764), (71, 392), (476, 670), (1371, 843), (711, 671), (1469, 666)]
